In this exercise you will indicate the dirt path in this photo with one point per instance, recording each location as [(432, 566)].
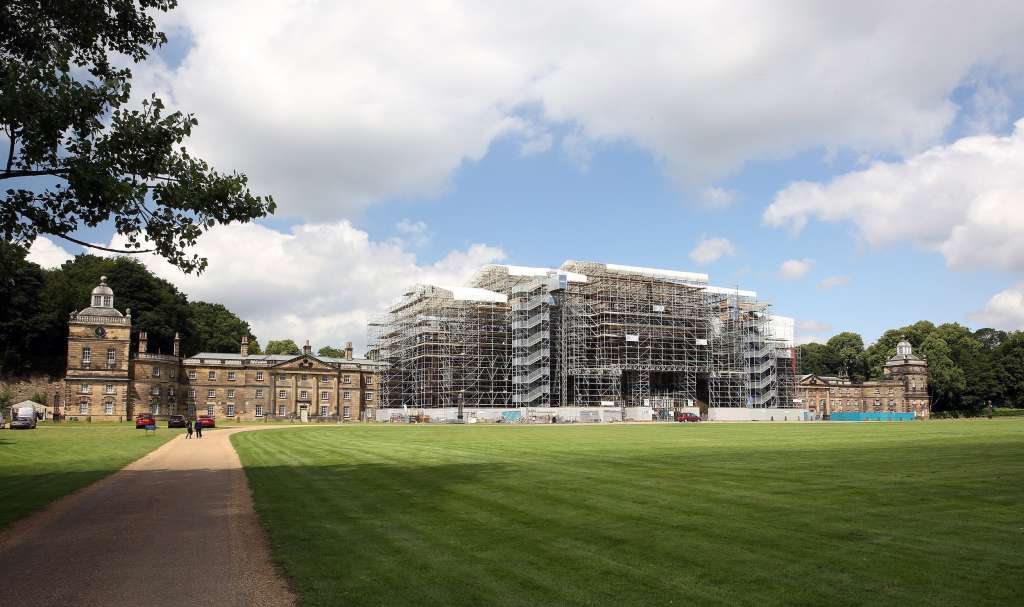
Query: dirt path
[(176, 527)]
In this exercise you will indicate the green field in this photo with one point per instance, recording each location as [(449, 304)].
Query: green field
[(39, 466), (925, 513)]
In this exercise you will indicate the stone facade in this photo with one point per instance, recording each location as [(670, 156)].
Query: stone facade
[(903, 388), (105, 382)]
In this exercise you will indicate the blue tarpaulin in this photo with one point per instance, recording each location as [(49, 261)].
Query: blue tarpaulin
[(881, 416)]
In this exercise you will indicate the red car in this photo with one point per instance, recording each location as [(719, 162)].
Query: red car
[(207, 421), (687, 417), (144, 419)]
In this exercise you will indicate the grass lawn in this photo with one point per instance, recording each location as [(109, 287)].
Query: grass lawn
[(38, 466), (923, 513)]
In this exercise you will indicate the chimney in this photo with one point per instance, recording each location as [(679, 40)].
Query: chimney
[(307, 349), (348, 350), (143, 338), (177, 344), (245, 346)]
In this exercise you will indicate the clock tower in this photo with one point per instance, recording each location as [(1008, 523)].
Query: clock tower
[(97, 379)]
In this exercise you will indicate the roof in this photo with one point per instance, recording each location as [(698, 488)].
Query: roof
[(277, 357), (100, 312), (730, 291), (687, 276), (476, 294)]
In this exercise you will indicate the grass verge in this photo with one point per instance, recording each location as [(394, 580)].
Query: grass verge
[(39, 466)]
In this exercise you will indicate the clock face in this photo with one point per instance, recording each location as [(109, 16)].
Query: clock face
[(100, 332)]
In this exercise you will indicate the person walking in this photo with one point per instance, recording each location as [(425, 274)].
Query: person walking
[(199, 428), (188, 429)]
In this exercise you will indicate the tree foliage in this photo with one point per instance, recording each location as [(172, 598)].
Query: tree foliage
[(79, 154), (37, 304), (331, 351), (282, 346)]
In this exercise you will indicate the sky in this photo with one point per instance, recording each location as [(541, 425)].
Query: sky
[(859, 165)]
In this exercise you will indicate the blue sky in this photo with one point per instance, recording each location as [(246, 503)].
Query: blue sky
[(413, 145)]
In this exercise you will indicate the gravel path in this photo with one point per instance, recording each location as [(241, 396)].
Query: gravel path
[(176, 527)]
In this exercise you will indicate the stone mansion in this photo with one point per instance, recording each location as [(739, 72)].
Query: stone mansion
[(106, 381)]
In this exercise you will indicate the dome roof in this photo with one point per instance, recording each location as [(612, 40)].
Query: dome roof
[(102, 288)]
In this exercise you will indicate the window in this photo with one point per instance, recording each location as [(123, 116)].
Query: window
[(111, 357), (96, 301), (303, 395), (259, 376), (231, 376), (83, 407), (86, 355), (259, 393), (209, 410), (106, 301), (347, 412), (305, 377), (324, 379), (281, 410), (259, 410), (369, 380), (325, 395), (156, 408), (876, 391), (108, 408), (230, 411), (211, 393), (348, 379), (347, 395), (282, 394), (156, 371), (191, 392), (108, 389), (212, 375), (369, 396), (323, 410), (191, 374), (155, 390), (170, 391), (84, 389), (174, 373), (282, 378), (191, 409), (231, 394)]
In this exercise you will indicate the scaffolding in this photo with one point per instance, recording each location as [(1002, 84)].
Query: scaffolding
[(585, 334)]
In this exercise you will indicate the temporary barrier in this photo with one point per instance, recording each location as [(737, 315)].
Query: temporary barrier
[(871, 416)]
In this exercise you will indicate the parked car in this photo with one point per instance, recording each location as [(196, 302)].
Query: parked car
[(207, 421), (686, 416), (23, 417), (177, 421), (144, 419)]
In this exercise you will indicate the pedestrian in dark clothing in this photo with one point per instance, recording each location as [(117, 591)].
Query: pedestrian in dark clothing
[(188, 430), (199, 429)]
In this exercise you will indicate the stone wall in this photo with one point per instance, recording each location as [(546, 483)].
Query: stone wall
[(24, 388)]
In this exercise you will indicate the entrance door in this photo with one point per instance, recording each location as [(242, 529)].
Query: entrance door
[(304, 413)]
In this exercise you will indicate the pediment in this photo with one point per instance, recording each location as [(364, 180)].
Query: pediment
[(303, 362)]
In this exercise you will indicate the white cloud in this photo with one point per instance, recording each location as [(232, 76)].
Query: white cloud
[(813, 326), (711, 249), (1004, 310), (792, 269), (802, 339), (335, 105), (316, 281), (414, 233), (964, 200), (47, 254), (833, 281), (717, 198)]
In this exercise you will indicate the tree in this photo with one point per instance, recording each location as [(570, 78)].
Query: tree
[(27, 333), (218, 329), (282, 346), (946, 381), (332, 352), (814, 358), (846, 353), (1010, 355), (77, 154)]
